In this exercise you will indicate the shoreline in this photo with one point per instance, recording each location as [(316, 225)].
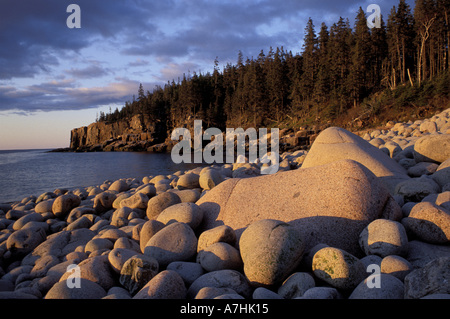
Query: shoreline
[(187, 232)]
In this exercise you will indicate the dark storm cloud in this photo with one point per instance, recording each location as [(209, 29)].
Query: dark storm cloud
[(179, 35)]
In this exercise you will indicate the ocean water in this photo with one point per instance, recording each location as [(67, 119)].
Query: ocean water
[(33, 172)]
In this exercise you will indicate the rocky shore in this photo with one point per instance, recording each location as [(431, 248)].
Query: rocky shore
[(352, 218)]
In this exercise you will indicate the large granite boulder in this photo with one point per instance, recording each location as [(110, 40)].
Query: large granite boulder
[(329, 204), (334, 144)]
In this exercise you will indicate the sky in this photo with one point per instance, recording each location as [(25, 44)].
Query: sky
[(54, 78)]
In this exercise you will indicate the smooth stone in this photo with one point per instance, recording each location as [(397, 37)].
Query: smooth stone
[(119, 186), (120, 216), (165, 285), (432, 148), (175, 242), (422, 168), (189, 271), (222, 233), (296, 285), (188, 181), (416, 189), (160, 202), (421, 253), (44, 206), (430, 279), (390, 288), (334, 144), (219, 256), (396, 266), (138, 200), (82, 222), (270, 250), (306, 199), (442, 174), (96, 269), (137, 271), (429, 222), (226, 278), (59, 244), (18, 224), (188, 213), (64, 204), (384, 237), (264, 293), (127, 243), (104, 201), (210, 178), (97, 244), (79, 211), (187, 195), (88, 290), (148, 230), (23, 241), (322, 293), (118, 256), (213, 292), (338, 268)]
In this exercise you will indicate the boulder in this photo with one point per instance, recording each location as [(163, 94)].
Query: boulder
[(87, 290), (175, 242), (189, 271), (433, 278), (104, 201), (210, 178), (149, 229), (391, 288), (384, 237), (226, 278), (432, 148), (119, 186), (270, 250), (429, 222), (223, 233), (160, 202), (188, 181), (96, 269), (137, 272), (165, 285), (119, 256), (138, 200), (442, 174), (219, 256), (328, 204), (334, 144), (396, 266), (64, 204), (23, 241), (338, 268), (296, 285), (416, 189), (188, 213), (420, 253)]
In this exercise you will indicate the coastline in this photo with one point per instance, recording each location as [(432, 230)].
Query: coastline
[(104, 227)]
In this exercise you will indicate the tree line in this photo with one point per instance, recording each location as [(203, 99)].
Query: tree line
[(339, 67)]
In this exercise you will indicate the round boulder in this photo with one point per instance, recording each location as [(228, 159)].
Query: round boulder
[(219, 256), (175, 242), (64, 204), (429, 222), (384, 237), (270, 250), (188, 213), (87, 290), (160, 202), (338, 268), (165, 285)]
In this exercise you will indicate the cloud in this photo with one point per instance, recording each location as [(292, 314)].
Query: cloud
[(154, 41)]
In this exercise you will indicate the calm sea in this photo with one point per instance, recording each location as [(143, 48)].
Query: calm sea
[(33, 172)]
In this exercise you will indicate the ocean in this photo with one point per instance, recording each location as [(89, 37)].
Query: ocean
[(33, 172)]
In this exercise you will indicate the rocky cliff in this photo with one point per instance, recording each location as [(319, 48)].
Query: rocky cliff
[(136, 134)]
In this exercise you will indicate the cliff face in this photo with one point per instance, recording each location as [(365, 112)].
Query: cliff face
[(136, 134)]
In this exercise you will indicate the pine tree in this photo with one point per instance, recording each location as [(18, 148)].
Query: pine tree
[(309, 61)]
